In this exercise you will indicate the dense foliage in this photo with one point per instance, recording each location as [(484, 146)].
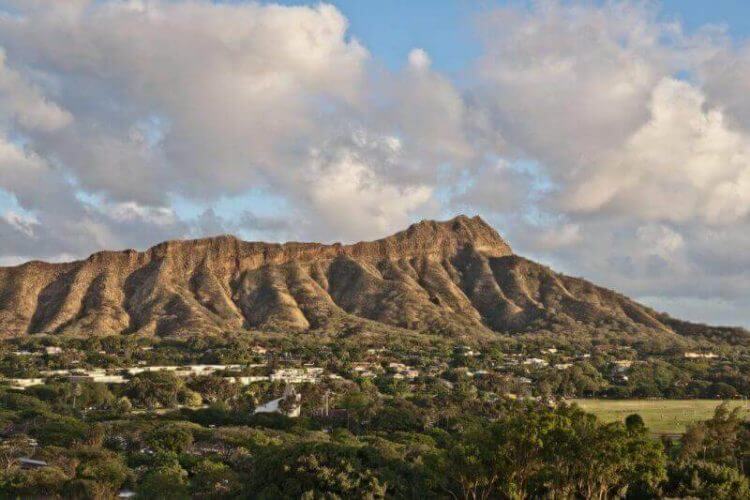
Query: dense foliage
[(488, 421)]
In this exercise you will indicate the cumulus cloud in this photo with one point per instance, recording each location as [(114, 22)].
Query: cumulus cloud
[(685, 162), (640, 134), (205, 100), (599, 138), (222, 90), (351, 176)]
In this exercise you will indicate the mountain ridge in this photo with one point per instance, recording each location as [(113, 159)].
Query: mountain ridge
[(457, 277)]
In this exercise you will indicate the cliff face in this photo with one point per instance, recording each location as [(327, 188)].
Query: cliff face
[(455, 277)]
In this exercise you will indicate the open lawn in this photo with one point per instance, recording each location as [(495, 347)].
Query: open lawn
[(662, 416)]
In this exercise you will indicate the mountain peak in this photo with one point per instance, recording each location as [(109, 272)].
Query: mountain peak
[(454, 234)]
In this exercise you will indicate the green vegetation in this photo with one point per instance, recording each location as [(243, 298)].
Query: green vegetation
[(416, 417), (662, 416)]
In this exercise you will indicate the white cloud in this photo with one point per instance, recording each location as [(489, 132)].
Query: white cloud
[(23, 102), (419, 60), (231, 85), (598, 137), (23, 223), (347, 179), (684, 163)]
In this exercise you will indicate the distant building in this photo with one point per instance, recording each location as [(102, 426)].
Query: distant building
[(23, 383), (297, 375), (276, 406), (700, 355), (30, 463), (467, 351), (621, 366), (535, 361)]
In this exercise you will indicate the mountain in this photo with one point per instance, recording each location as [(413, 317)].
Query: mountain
[(457, 277)]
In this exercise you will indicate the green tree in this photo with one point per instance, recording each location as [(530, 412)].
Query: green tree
[(701, 479), (155, 389), (170, 438), (213, 480), (316, 470), (167, 482), (215, 389)]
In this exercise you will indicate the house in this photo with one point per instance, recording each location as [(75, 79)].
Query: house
[(297, 375), (700, 355), (23, 383), (248, 380), (30, 463), (621, 366), (535, 361), (366, 370), (467, 351), (186, 370), (275, 405)]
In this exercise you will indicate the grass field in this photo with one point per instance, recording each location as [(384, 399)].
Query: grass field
[(662, 416)]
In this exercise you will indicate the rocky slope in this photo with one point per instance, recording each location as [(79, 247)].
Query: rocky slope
[(455, 277)]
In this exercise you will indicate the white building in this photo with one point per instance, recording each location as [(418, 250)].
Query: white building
[(273, 406), (535, 361), (700, 355)]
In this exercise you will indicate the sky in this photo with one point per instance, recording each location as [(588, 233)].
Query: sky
[(610, 140)]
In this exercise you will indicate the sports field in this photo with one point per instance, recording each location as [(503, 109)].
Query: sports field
[(662, 416)]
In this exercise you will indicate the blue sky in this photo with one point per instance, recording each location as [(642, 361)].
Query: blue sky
[(444, 28)]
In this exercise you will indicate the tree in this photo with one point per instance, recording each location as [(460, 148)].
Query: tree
[(213, 480), (12, 448), (635, 423), (44, 482), (701, 479), (171, 438), (398, 415), (107, 469), (724, 439), (500, 457), (215, 389), (154, 389), (123, 405), (164, 483), (315, 470), (596, 460), (60, 431)]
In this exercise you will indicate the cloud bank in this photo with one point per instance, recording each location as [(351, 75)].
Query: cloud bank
[(603, 140)]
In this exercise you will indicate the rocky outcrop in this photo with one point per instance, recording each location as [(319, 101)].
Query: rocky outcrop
[(454, 277)]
